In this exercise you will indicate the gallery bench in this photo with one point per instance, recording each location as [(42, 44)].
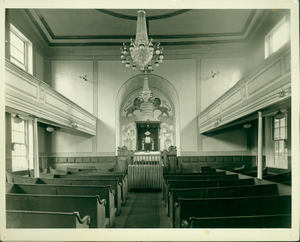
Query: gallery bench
[(39, 219), (258, 221), (104, 192), (85, 205), (219, 192), (226, 207)]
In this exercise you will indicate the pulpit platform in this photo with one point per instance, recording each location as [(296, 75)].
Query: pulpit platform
[(146, 171)]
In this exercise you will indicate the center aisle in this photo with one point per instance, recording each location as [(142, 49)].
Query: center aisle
[(143, 210)]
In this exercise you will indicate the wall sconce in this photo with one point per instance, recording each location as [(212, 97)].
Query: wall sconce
[(83, 77), (247, 125), (279, 115), (17, 119), (74, 125), (50, 129), (217, 122), (213, 74), (281, 93)]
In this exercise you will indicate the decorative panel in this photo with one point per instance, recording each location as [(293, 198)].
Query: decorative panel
[(78, 159), (214, 112), (232, 100), (71, 159), (86, 159), (264, 78), (56, 102), (21, 85)]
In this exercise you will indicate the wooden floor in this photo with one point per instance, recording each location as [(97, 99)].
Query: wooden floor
[(143, 209)]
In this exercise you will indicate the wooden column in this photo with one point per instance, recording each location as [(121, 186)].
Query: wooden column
[(259, 146), (36, 165)]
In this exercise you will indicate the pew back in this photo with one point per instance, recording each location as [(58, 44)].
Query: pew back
[(114, 183), (98, 176), (224, 207), (220, 192), (258, 221), (41, 219), (104, 192), (85, 205)]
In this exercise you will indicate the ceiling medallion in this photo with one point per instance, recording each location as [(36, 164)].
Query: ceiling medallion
[(141, 50)]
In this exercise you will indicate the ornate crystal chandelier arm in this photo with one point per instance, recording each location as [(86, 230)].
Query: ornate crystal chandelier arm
[(141, 49)]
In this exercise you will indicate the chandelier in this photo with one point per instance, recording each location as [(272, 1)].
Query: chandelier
[(141, 50)]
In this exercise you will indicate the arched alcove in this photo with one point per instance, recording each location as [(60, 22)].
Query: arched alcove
[(163, 90)]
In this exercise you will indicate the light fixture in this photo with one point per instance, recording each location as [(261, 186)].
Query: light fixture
[(247, 125), (17, 119), (281, 93), (279, 115), (141, 50), (83, 77), (213, 74), (50, 129), (74, 125), (217, 122), (145, 95)]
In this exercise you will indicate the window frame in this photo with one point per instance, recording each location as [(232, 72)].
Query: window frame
[(268, 38), (28, 56), (278, 141), (25, 143)]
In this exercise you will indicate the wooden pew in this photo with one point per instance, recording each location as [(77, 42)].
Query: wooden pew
[(167, 175), (166, 188), (258, 221), (39, 219), (114, 183), (99, 176), (85, 205), (225, 207), (104, 192), (283, 177), (12, 178), (239, 169), (203, 184), (220, 192)]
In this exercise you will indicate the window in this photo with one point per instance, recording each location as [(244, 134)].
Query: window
[(277, 38), (20, 50), (20, 147), (280, 142)]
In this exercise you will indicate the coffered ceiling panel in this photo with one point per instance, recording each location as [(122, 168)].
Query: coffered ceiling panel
[(83, 23), (203, 22), (103, 27)]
